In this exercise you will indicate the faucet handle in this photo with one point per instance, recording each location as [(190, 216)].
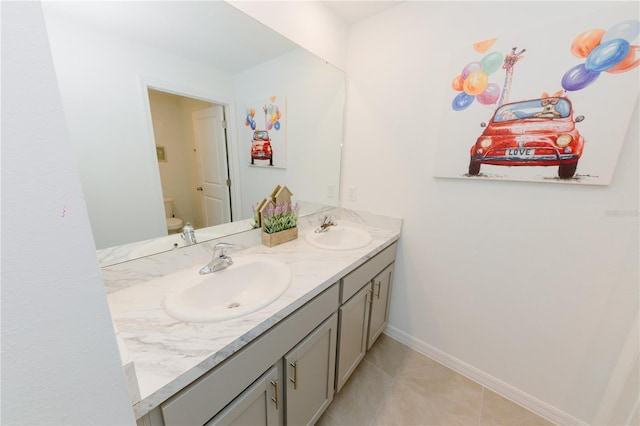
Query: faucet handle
[(328, 220), (188, 234), (219, 249)]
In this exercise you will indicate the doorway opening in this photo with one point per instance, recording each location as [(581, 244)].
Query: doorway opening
[(191, 144)]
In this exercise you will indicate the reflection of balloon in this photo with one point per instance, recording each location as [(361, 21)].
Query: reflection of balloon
[(586, 42), (490, 94), (630, 61), (607, 55), (626, 30), (276, 125), (270, 108), (252, 111), (475, 83), (470, 69), (578, 78), (457, 82), (249, 121), (492, 62), (483, 46), (462, 101), (253, 125), (272, 98), (269, 125)]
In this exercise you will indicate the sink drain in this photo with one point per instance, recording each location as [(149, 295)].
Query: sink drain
[(233, 305)]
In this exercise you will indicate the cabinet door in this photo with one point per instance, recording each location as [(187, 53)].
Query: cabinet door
[(260, 404), (352, 344), (380, 304), (310, 374)]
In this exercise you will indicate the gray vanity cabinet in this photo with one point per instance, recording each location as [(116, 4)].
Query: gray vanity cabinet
[(301, 395), (364, 313), (310, 374), (260, 404), (249, 387), (354, 322), (380, 298)]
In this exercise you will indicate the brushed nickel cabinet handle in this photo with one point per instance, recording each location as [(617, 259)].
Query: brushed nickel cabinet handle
[(294, 379), (370, 298), (379, 285), (274, 383)]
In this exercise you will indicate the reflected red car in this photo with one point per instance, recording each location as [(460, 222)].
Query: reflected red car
[(537, 132), (261, 147)]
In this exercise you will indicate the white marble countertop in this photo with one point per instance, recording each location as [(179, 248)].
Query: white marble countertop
[(169, 354)]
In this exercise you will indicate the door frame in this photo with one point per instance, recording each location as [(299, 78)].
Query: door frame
[(228, 106)]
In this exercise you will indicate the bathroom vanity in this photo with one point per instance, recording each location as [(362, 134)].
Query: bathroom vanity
[(279, 365)]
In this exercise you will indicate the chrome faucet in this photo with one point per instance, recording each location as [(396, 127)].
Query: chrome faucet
[(327, 221), (188, 234), (220, 259)]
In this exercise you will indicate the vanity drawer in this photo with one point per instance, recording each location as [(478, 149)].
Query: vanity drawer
[(353, 282)]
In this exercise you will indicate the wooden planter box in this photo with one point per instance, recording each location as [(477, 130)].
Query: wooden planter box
[(271, 240)]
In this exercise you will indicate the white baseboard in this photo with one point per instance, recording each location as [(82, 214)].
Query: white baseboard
[(541, 408)]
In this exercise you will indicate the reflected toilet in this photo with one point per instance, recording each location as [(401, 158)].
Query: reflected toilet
[(174, 224)]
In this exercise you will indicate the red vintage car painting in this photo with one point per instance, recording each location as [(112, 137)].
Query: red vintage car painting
[(537, 132), (261, 147)]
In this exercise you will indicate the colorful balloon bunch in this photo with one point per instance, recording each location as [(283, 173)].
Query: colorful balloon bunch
[(272, 117), (609, 51), (473, 82), (249, 120)]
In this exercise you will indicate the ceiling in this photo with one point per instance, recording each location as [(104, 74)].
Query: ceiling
[(210, 32), (353, 11)]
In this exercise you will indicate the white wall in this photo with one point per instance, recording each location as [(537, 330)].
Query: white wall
[(109, 123), (60, 362), (308, 23), (315, 96), (533, 286)]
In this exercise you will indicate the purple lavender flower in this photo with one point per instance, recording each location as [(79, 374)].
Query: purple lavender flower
[(269, 211)]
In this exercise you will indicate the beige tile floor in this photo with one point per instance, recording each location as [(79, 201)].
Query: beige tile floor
[(395, 385)]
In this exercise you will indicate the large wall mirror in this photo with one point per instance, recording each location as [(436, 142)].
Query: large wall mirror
[(143, 84)]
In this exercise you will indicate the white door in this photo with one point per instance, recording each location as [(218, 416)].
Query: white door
[(210, 143)]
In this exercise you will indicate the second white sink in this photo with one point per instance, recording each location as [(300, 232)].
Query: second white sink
[(339, 237), (250, 284)]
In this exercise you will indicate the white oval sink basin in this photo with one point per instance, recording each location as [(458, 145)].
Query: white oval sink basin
[(339, 237), (250, 284)]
